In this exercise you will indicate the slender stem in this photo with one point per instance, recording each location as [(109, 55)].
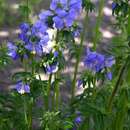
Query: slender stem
[(27, 11), (53, 100), (32, 100), (30, 114), (57, 90), (49, 90), (24, 98), (28, 118), (78, 57), (25, 110), (98, 22), (118, 83)]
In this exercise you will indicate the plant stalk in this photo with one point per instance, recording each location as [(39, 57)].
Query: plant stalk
[(27, 12), (25, 111), (98, 23), (57, 90), (49, 91), (30, 114), (78, 57), (118, 83)]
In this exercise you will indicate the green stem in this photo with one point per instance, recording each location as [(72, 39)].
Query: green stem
[(49, 90), (53, 100), (98, 23), (78, 57), (118, 83), (57, 90), (30, 114), (27, 12), (25, 110), (31, 101)]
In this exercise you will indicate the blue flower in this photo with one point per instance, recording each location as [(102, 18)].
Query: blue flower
[(39, 46), (66, 12), (43, 16), (114, 5), (80, 82), (22, 88), (78, 119), (55, 4), (76, 31), (59, 24), (24, 27), (94, 61), (39, 28), (56, 53), (23, 37), (109, 75), (53, 68), (64, 19), (12, 50), (76, 5), (35, 37)]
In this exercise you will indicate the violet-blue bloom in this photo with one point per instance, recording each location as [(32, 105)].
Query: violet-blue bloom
[(12, 50), (66, 12), (109, 75), (59, 24), (78, 119), (35, 38), (66, 21), (22, 88), (24, 27), (114, 5), (76, 32), (38, 45), (52, 68), (43, 16), (80, 82), (39, 28), (56, 53), (55, 4), (96, 62), (76, 5)]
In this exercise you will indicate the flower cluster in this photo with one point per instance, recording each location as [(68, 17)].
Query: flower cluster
[(96, 63), (28, 42), (62, 13), (34, 39)]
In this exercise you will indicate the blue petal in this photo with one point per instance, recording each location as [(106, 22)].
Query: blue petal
[(59, 24), (52, 68), (61, 13), (56, 53), (44, 15), (24, 27), (78, 120), (109, 75), (53, 4), (114, 5), (12, 51), (27, 88)]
